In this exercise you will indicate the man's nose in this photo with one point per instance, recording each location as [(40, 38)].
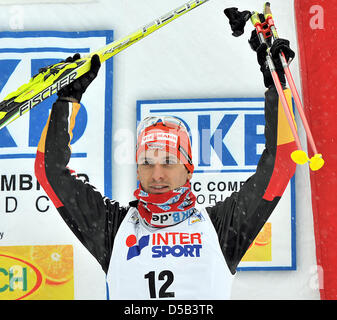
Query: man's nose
[(158, 172)]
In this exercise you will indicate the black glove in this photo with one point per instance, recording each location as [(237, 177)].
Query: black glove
[(74, 91), (237, 20), (284, 46), (261, 50)]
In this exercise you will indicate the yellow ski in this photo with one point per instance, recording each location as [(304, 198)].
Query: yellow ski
[(53, 78)]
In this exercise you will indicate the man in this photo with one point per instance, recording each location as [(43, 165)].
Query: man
[(161, 246)]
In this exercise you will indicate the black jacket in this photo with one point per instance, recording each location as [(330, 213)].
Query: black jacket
[(95, 219)]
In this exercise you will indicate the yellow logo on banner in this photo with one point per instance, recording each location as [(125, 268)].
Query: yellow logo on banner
[(36, 272), (260, 249)]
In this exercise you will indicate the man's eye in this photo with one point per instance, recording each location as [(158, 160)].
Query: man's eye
[(146, 162), (170, 161)]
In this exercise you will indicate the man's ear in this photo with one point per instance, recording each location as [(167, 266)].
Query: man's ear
[(189, 175)]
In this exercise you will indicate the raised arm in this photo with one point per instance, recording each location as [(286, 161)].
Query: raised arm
[(93, 218), (241, 216)]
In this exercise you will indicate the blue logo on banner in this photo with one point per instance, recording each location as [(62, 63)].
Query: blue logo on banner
[(19, 64)]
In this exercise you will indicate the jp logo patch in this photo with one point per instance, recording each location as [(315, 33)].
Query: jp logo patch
[(134, 248)]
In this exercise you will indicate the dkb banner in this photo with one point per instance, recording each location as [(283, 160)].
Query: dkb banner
[(36, 247), (227, 137)]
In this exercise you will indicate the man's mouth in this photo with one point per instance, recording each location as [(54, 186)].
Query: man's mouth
[(159, 188)]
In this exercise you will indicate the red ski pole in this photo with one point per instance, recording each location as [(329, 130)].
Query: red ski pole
[(260, 33), (316, 162)]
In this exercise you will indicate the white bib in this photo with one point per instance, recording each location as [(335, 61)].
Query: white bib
[(183, 261)]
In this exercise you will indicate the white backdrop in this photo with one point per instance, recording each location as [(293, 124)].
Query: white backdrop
[(193, 57)]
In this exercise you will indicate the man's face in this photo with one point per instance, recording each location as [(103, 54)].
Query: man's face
[(159, 171)]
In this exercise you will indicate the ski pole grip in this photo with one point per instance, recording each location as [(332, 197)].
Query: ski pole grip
[(255, 19), (269, 19), (267, 14)]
